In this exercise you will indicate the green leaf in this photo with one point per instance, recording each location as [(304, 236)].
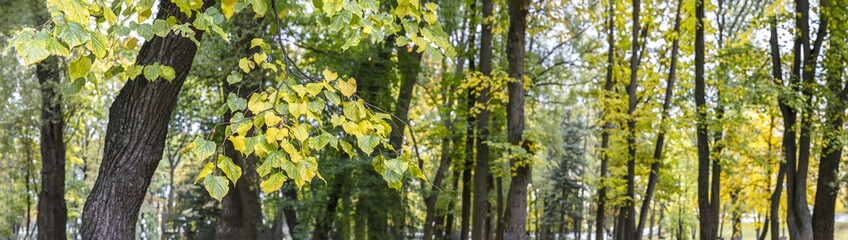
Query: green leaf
[(415, 171), (265, 167), (259, 7), (347, 148), (236, 103), (167, 73), (368, 142), (392, 178), (73, 88), (396, 165), (234, 77), (145, 31), (206, 171), (229, 168), (350, 111), (151, 72), (313, 89), (300, 132), (378, 163), (217, 186), (435, 53), (58, 48), (332, 97), (318, 142), (97, 44), (340, 20), (316, 106), (274, 183), (33, 51), (160, 28), (203, 149), (73, 33), (79, 68)]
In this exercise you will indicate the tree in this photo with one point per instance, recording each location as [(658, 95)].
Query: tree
[(131, 154), (602, 191), (481, 168), (707, 196), (516, 203)]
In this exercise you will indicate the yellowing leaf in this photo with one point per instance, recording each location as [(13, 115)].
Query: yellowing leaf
[(271, 119), (274, 183), (206, 171), (347, 88), (238, 142), (79, 68), (203, 149), (329, 76), (300, 132), (217, 186), (227, 7), (229, 168)]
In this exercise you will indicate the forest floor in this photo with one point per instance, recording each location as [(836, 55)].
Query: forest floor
[(840, 233)]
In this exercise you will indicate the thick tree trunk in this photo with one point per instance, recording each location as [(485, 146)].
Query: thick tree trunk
[(52, 212), (135, 135), (605, 134), (827, 185), (481, 169), (669, 92), (707, 222), (241, 212), (516, 209)]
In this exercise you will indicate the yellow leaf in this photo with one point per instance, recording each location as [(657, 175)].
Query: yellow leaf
[(227, 8), (347, 87), (329, 76), (271, 119), (238, 143)]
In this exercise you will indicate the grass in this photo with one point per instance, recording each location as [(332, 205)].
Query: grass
[(840, 232)]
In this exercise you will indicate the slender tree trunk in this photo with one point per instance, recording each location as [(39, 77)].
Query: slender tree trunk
[(516, 213), (669, 92), (737, 216), (135, 135), (466, 171), (52, 212), (707, 221), (651, 226), (499, 232), (448, 233), (602, 191), (629, 210), (481, 169)]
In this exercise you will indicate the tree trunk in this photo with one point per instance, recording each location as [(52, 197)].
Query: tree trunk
[(602, 191), (629, 210), (135, 135), (516, 213), (52, 212), (466, 170), (481, 169), (707, 221), (827, 185), (669, 92)]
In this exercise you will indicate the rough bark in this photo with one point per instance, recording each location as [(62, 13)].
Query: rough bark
[(135, 135), (516, 209), (465, 221), (827, 187), (481, 168), (707, 222), (669, 92), (605, 134), (241, 212), (52, 212), (629, 208)]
